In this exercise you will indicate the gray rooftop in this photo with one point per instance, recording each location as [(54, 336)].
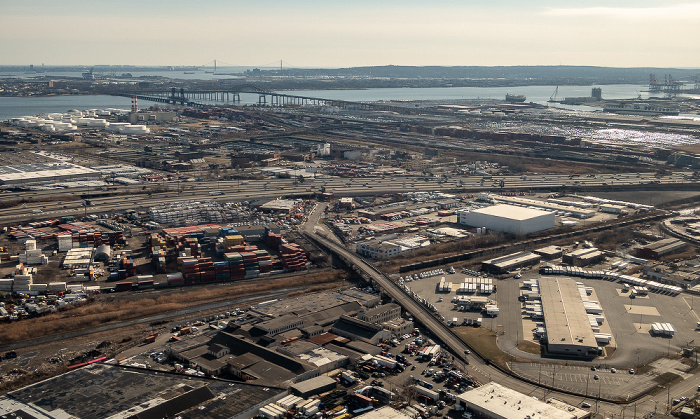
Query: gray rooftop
[(503, 402), (511, 212), (564, 314), (100, 391)]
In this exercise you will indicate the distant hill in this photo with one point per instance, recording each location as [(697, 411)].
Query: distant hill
[(518, 74)]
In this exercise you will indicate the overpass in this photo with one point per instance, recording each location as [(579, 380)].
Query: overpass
[(419, 312), (480, 369)]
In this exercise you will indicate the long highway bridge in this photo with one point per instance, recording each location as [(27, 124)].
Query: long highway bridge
[(232, 95)]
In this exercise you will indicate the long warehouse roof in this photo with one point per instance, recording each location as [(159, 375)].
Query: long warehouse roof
[(42, 170), (564, 314), (512, 212)]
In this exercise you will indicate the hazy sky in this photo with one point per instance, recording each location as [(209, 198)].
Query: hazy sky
[(329, 33)]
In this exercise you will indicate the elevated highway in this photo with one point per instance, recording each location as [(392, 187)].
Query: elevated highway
[(232, 95), (480, 369)]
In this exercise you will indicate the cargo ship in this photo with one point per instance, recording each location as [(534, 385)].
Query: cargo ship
[(515, 98), (642, 109)]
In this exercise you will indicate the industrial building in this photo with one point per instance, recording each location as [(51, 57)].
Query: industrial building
[(569, 330), (380, 314), (660, 248), (385, 412), (508, 219), (510, 262), (583, 257), (549, 205), (611, 209), (375, 248), (549, 252), (313, 386), (41, 173), (494, 401), (117, 391), (356, 329)]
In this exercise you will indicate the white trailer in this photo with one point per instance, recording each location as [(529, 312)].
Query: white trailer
[(602, 337), (432, 395), (492, 310)]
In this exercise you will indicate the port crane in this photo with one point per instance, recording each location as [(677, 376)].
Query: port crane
[(553, 98)]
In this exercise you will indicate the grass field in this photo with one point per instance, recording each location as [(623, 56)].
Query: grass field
[(530, 347), (126, 306), (483, 341)]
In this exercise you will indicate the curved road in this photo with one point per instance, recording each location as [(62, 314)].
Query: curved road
[(484, 372)]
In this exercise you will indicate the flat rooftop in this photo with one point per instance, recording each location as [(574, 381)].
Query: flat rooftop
[(543, 204), (101, 391), (502, 402), (512, 212), (385, 412), (513, 259), (36, 171), (564, 314)]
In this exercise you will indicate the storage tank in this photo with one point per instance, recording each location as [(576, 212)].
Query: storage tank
[(135, 129), (98, 123), (117, 126)]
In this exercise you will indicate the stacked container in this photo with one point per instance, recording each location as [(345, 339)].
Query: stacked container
[(128, 266), (250, 262), (56, 287), (190, 270), (235, 265), (176, 279), (293, 257), (65, 242), (158, 258), (222, 270), (272, 240), (264, 260), (206, 267), (22, 283), (6, 285)]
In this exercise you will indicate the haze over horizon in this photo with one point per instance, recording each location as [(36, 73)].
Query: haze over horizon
[(314, 33)]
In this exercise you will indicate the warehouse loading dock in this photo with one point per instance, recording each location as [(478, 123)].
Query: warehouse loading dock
[(568, 328), (510, 262)]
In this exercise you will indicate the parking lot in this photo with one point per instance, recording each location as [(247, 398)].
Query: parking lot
[(443, 375), (627, 319)]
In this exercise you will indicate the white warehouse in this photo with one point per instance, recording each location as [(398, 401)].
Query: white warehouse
[(508, 219)]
